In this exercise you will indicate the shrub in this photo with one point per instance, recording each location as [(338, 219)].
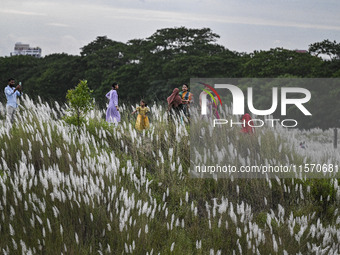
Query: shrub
[(80, 101)]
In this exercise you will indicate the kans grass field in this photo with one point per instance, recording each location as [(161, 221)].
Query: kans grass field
[(102, 189)]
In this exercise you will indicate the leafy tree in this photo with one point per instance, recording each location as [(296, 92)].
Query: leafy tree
[(326, 47), (170, 57), (101, 42), (277, 62), (100, 59), (58, 73), (172, 41), (80, 101), (21, 68), (152, 67)]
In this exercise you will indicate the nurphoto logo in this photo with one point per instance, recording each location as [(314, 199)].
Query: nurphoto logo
[(238, 103)]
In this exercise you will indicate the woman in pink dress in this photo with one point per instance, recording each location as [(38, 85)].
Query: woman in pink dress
[(112, 113)]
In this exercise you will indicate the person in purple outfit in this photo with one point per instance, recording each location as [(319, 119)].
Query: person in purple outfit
[(112, 113)]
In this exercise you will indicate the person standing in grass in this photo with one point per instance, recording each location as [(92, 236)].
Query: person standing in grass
[(142, 121), (247, 126), (174, 101), (187, 99), (12, 93), (112, 113)]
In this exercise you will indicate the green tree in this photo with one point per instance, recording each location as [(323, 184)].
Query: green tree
[(170, 57), (57, 73), (331, 67), (168, 42), (277, 62), (21, 68), (326, 47), (80, 101), (100, 59)]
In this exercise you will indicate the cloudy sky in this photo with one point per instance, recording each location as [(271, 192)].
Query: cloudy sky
[(244, 25)]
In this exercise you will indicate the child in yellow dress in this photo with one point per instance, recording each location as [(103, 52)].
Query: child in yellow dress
[(142, 121)]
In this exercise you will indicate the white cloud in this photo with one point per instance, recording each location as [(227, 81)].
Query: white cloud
[(18, 12), (57, 25), (98, 13)]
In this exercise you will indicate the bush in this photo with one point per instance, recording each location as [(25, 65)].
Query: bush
[(80, 101)]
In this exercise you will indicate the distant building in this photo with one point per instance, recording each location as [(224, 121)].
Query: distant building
[(25, 49)]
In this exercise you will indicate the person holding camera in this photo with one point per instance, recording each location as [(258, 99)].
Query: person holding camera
[(12, 92)]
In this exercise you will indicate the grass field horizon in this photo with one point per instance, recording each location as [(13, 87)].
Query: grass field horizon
[(102, 189)]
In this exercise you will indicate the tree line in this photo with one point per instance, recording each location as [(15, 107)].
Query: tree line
[(150, 68)]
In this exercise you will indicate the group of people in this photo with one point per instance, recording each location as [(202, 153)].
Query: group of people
[(177, 101), (180, 100), (113, 115)]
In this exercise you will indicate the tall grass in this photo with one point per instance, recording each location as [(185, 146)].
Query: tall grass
[(113, 190)]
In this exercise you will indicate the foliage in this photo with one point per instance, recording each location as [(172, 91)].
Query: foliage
[(326, 47), (278, 62), (151, 67), (80, 101)]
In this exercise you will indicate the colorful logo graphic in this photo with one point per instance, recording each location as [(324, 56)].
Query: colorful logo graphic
[(214, 106)]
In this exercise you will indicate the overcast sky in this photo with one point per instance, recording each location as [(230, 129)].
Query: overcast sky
[(59, 26)]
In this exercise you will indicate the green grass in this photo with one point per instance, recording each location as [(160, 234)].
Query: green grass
[(107, 185)]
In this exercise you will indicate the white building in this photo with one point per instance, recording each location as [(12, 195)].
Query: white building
[(25, 49)]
